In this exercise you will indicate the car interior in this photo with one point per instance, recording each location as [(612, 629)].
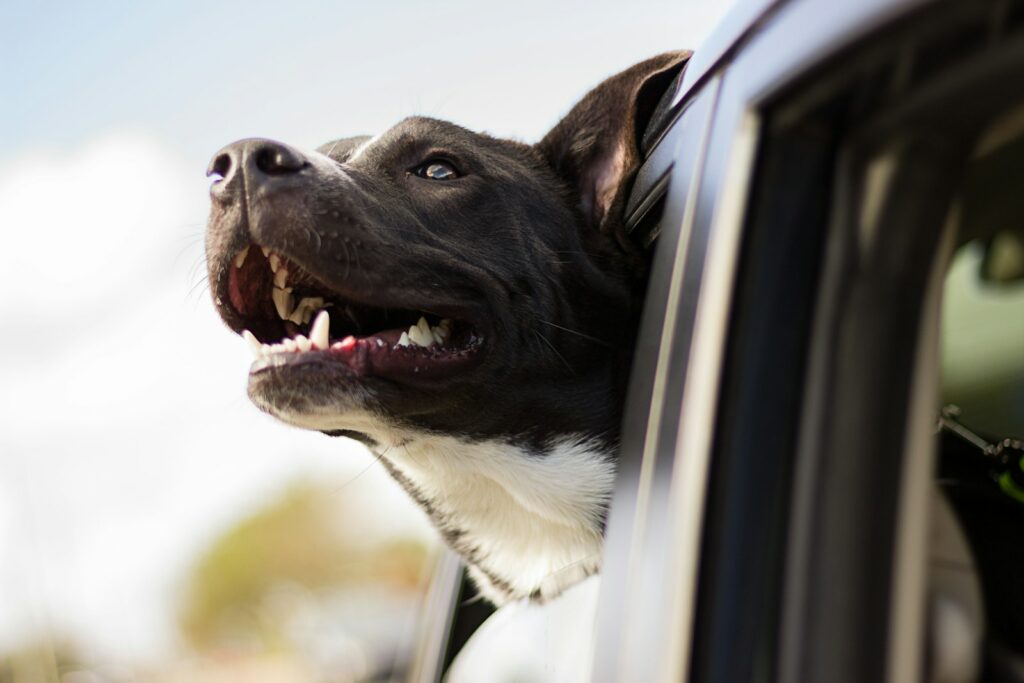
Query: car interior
[(976, 602)]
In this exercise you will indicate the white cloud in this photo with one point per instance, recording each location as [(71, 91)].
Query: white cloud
[(78, 223)]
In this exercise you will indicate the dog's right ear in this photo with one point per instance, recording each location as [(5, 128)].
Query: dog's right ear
[(596, 149)]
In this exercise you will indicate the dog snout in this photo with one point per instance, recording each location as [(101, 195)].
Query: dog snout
[(255, 162)]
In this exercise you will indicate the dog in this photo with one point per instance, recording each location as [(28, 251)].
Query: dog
[(464, 305)]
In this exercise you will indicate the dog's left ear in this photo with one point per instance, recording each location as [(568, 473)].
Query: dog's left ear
[(595, 148)]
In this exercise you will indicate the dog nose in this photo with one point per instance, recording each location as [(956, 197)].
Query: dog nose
[(259, 161)]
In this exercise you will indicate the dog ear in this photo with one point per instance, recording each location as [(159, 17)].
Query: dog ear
[(596, 147)]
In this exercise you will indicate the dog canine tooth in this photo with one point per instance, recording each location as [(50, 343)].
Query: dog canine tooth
[(240, 259), (320, 332), (281, 278), (426, 332), (284, 302), (418, 337), (403, 340), (275, 262), (254, 343)]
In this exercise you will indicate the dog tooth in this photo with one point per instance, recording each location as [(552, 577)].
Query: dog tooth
[(254, 343), (427, 334), (417, 337), (281, 278), (440, 333), (275, 262), (403, 340), (290, 345), (303, 343), (303, 312), (284, 302), (320, 333), (266, 251), (240, 259), (311, 302)]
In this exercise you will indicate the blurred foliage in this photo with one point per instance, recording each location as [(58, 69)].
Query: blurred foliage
[(305, 540), (42, 661)]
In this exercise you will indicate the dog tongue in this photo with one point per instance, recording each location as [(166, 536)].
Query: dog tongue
[(248, 288)]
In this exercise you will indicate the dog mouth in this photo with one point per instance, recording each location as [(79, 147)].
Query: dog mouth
[(289, 317)]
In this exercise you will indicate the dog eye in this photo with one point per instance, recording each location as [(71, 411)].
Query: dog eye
[(436, 170)]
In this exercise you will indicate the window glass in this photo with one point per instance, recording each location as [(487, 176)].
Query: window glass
[(983, 335)]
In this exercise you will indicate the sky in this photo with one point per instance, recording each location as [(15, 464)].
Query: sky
[(126, 440)]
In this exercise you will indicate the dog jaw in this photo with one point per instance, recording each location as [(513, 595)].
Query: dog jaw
[(528, 522)]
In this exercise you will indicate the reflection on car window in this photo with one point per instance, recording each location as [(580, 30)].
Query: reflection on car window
[(983, 337)]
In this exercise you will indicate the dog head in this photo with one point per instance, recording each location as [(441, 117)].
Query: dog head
[(472, 286)]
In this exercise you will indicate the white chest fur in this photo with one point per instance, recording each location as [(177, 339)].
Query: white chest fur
[(528, 523)]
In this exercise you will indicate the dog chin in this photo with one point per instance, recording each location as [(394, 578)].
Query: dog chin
[(318, 405)]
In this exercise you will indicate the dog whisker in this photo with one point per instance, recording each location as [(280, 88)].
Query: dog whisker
[(571, 565), (554, 350), (314, 235), (577, 333), (198, 288), (376, 460)]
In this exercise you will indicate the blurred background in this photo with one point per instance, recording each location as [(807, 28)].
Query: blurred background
[(153, 525)]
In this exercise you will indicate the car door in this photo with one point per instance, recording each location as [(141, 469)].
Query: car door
[(797, 472)]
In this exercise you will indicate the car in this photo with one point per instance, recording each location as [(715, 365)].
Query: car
[(820, 476)]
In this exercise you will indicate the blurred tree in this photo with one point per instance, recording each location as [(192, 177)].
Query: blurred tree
[(305, 539), (40, 661)]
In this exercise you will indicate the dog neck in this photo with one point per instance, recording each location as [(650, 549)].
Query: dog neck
[(528, 523)]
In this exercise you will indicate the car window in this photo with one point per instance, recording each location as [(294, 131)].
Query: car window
[(980, 470), (983, 335)]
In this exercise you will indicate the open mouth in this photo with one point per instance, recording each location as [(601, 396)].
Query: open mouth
[(289, 317)]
